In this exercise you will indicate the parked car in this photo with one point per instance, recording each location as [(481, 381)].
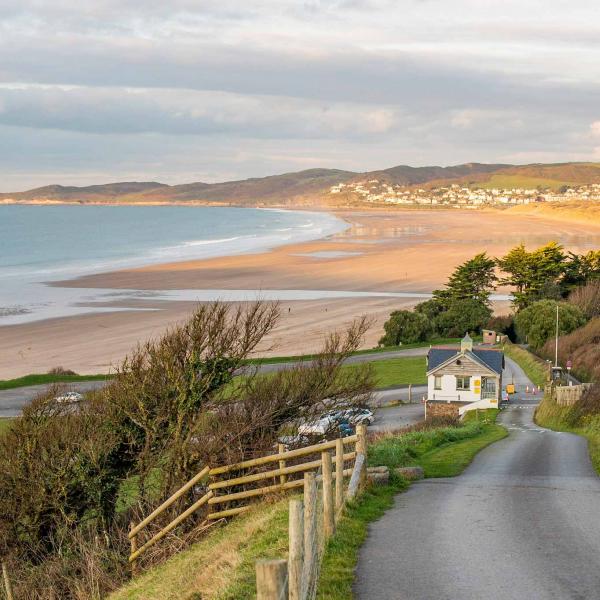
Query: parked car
[(319, 427), (505, 397), (69, 398), (359, 415)]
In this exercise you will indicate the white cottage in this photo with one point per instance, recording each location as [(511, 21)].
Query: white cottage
[(465, 375)]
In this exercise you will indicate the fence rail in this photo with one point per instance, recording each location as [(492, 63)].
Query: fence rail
[(298, 578), (219, 480)]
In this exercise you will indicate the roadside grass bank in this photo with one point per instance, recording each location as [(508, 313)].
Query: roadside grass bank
[(582, 420), (222, 565), (442, 452), (535, 368), (44, 378), (5, 425)]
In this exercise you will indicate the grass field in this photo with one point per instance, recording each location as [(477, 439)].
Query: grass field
[(521, 181), (41, 378), (399, 371)]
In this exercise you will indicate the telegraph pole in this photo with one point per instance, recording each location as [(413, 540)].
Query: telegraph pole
[(556, 344)]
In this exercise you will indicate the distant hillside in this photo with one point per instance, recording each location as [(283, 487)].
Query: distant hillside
[(311, 186)]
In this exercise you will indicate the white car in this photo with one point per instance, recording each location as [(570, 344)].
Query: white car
[(69, 398), (319, 427)]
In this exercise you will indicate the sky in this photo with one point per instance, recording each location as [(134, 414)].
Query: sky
[(215, 90)]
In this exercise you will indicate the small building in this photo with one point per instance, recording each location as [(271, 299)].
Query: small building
[(463, 378), (489, 336)]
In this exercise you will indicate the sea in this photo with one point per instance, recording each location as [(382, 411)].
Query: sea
[(41, 244)]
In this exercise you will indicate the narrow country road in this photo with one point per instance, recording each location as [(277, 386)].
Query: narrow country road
[(12, 401), (522, 522)]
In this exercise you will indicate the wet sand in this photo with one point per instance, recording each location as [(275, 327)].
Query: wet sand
[(383, 251)]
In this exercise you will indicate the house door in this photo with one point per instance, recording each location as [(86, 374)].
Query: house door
[(488, 388)]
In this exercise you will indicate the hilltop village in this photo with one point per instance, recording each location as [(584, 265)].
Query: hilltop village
[(377, 192)]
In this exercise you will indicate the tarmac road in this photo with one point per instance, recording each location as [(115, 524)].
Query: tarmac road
[(522, 522), (13, 401)]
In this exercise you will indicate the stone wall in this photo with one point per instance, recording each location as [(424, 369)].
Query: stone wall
[(442, 409)]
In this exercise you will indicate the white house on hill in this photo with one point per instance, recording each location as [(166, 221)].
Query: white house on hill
[(465, 375)]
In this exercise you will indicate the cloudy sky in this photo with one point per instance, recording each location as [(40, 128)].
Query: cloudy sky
[(212, 90)]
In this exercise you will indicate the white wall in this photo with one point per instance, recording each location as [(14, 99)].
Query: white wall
[(449, 391)]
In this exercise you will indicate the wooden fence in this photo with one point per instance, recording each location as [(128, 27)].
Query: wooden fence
[(297, 578), (218, 482)]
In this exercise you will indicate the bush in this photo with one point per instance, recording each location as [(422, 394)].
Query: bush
[(582, 347), (462, 316), (537, 323), (405, 327), (587, 299)]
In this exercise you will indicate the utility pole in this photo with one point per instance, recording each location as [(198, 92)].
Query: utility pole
[(556, 344)]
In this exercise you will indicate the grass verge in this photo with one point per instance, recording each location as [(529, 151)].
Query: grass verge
[(535, 368), (443, 452), (551, 415), (5, 425), (41, 378), (222, 565)]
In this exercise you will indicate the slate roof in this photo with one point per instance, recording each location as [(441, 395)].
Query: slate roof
[(493, 359)]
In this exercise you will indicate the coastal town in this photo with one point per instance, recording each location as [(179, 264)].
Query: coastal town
[(375, 191)]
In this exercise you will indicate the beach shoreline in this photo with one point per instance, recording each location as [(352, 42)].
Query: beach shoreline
[(390, 250)]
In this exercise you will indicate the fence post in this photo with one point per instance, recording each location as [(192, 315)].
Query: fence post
[(296, 555), (133, 541), (310, 530), (410, 393), (281, 450), (328, 512), (361, 448), (339, 474), (7, 584), (271, 579)]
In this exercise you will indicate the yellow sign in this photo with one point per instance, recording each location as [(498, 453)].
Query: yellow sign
[(477, 382), (510, 388)]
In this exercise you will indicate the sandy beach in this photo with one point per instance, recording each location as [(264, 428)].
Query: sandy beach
[(382, 251)]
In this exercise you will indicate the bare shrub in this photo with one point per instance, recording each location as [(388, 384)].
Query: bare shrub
[(582, 347), (61, 371), (73, 476), (587, 298)]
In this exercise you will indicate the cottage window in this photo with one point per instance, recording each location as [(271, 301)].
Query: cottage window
[(437, 382), (463, 382)]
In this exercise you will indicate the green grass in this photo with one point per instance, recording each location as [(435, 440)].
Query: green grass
[(379, 350), (5, 425), (341, 554), (549, 414), (521, 181), (221, 566), (41, 378), (535, 368), (399, 371), (443, 452)]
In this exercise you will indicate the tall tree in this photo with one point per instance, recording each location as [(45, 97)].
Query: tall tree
[(534, 275), (473, 280)]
